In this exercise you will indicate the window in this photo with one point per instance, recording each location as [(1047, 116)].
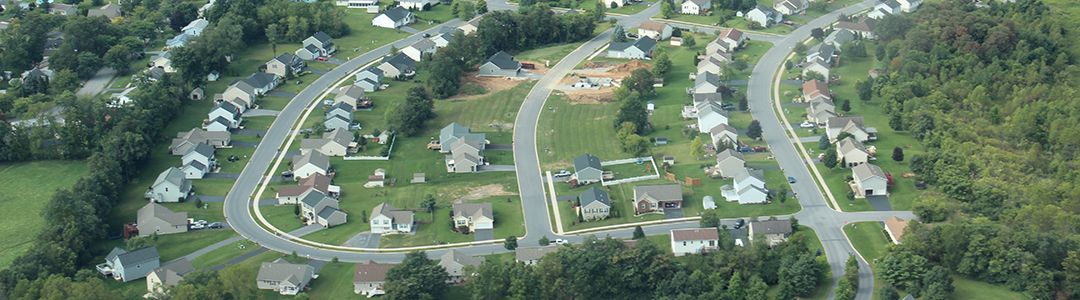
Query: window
[(684, 243), (712, 243), (386, 222)]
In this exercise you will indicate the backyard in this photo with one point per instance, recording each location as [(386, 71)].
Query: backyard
[(23, 196)]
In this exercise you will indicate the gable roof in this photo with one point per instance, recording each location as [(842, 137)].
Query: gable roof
[(729, 153), (822, 50), (594, 194), (195, 24), (707, 78), (697, 234), (731, 33), (530, 253), (660, 192), (371, 271), (109, 11), (504, 61), (318, 182), (423, 44), (699, 2), (313, 197), (127, 259), (721, 128), (896, 226), (771, 226), (157, 211), (748, 173), (171, 273), (842, 122), (280, 270), (322, 37), (456, 256), (201, 149), (840, 36), (287, 59), (314, 157), (400, 61), (652, 26), (171, 175), (586, 161), (769, 11), (814, 86), (866, 171), (864, 24), (229, 107), (396, 14), (849, 144), (473, 210), (392, 212), (340, 106), (329, 212), (713, 97)]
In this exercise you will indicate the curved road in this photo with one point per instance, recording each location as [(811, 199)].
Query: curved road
[(815, 214)]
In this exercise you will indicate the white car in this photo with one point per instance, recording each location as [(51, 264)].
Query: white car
[(806, 125), (561, 241)]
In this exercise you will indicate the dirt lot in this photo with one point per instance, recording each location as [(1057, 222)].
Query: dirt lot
[(486, 191), (495, 84), (599, 69)]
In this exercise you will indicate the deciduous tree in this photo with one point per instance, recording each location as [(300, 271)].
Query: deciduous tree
[(511, 243), (417, 277)]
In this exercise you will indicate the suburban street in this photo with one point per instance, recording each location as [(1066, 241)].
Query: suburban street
[(815, 214)]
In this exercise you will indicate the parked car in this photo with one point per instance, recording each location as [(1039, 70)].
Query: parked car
[(322, 58), (806, 125), (561, 241), (790, 179), (632, 35), (739, 223), (562, 173), (427, 35), (789, 23), (759, 149), (215, 225), (821, 157), (745, 149)]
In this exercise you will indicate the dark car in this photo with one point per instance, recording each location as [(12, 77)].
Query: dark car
[(215, 225), (739, 223)]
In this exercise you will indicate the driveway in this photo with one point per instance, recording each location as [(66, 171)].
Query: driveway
[(320, 72), (499, 147), (673, 213), (258, 112), (880, 203), (495, 168), (248, 132), (483, 235), (221, 176), (244, 144), (281, 94), (409, 30), (364, 239)]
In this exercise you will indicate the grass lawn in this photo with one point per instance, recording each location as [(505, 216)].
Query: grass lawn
[(290, 86), (868, 238), (621, 196), (738, 23), (753, 52), (283, 217), (273, 103), (479, 114), (560, 138), (499, 157), (173, 246), (213, 187), (121, 82), (662, 241), (22, 199), (335, 282), (258, 123), (363, 37), (225, 253), (236, 167), (970, 289), (629, 170), (211, 212)]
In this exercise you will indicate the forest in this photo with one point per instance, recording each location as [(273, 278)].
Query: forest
[(990, 93)]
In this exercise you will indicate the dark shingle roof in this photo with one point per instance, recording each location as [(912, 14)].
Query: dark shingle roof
[(587, 161), (594, 194), (400, 61), (397, 14), (504, 61), (322, 37), (773, 226), (137, 256)]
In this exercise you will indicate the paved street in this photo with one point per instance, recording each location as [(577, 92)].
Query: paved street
[(97, 83)]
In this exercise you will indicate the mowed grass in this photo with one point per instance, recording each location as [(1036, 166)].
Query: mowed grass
[(868, 238), (243, 153), (173, 246), (569, 130), (483, 113), (363, 37), (225, 253), (25, 189)]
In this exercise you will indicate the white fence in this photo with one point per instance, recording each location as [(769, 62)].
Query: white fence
[(625, 161), (387, 157), (655, 175), (631, 179)]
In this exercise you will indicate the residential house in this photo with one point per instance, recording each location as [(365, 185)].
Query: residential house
[(471, 25), (639, 49), (764, 16), (733, 37), (323, 42), (168, 275), (387, 219), (820, 51), (372, 6), (724, 135), (228, 111), (791, 7), (532, 255), (852, 125), (198, 161), (110, 11), (864, 27), (500, 64), (749, 187), (334, 143), (369, 79), (417, 50), (473, 215), (851, 152), (337, 121), (339, 115), (394, 18), (309, 52), (713, 63), (815, 88), (730, 162), (587, 169), (399, 64), (710, 115), (178, 41), (775, 231), (241, 94), (817, 65), (617, 3), (126, 265), (283, 277), (870, 180), (185, 140), (594, 204), (260, 82), (455, 261), (285, 63), (820, 110), (290, 194), (695, 7), (895, 227), (163, 60), (416, 4), (311, 163), (123, 99), (219, 124), (153, 218), (694, 241), (707, 82), (888, 7), (170, 186), (353, 96), (909, 5), (465, 147), (719, 45), (196, 27), (446, 34), (369, 277), (62, 9), (657, 197), (321, 209), (838, 37), (655, 30)]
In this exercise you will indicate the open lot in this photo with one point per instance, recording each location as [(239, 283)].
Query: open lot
[(25, 189)]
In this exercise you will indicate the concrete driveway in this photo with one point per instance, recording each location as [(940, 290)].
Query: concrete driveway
[(483, 235)]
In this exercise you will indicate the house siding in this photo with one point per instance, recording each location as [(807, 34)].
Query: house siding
[(490, 69)]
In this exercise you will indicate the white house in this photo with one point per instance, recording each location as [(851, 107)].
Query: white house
[(196, 27), (693, 241), (638, 49), (394, 18), (198, 161), (594, 204), (321, 209), (387, 219), (774, 231), (853, 125), (455, 261), (909, 5), (655, 30), (618, 3), (126, 266), (369, 277), (791, 7), (733, 37), (170, 186), (695, 7), (473, 215), (750, 187), (532, 255), (308, 164), (284, 277), (710, 115), (416, 4), (764, 15), (870, 180), (724, 135), (417, 50), (851, 152), (168, 274)]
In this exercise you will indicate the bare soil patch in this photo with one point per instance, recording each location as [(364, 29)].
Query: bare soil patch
[(494, 84), (600, 69), (486, 191)]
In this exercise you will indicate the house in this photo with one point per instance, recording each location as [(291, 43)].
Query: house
[(852, 125), (337, 121), (719, 45), (416, 4), (764, 16), (466, 148), (334, 143), (453, 132), (369, 79), (895, 227), (732, 37), (473, 215), (372, 6), (443, 39), (353, 96), (657, 197), (471, 25), (339, 115), (394, 18), (817, 65), (170, 186), (655, 30), (309, 52), (594, 204), (707, 82), (62, 9), (695, 7), (710, 115), (417, 50), (713, 63), (257, 83), (693, 241), (218, 124), (153, 218), (228, 111), (126, 265), (820, 110), (749, 187), (167, 275), (309, 164), (198, 161), (290, 194), (122, 99), (870, 180), (909, 5), (376, 180), (178, 41), (888, 7), (284, 277), (852, 152), (864, 27), (369, 278), (284, 65), (791, 7), (399, 64), (500, 64), (163, 60), (730, 162), (196, 27), (587, 169), (455, 261), (110, 11), (638, 49), (322, 42), (387, 219), (185, 140), (532, 255), (815, 88), (241, 94), (321, 209), (724, 135), (614, 3), (775, 231), (838, 37), (820, 51)]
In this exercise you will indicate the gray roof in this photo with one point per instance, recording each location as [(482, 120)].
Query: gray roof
[(660, 192), (473, 210), (594, 194), (197, 165), (713, 97), (528, 253), (157, 211), (400, 61), (699, 2), (447, 29), (849, 144), (171, 273), (328, 212), (337, 118), (374, 70), (587, 161), (707, 77), (314, 157), (618, 46), (504, 61), (729, 154), (399, 216), (823, 50), (260, 79), (748, 173), (221, 120), (773, 226), (312, 49), (423, 44), (841, 122), (397, 14), (767, 10), (134, 257), (840, 35), (342, 106), (171, 175), (288, 59), (229, 107), (865, 171), (451, 133), (645, 44), (460, 258), (892, 3), (322, 37), (202, 149), (109, 11), (313, 197), (280, 270), (371, 271)]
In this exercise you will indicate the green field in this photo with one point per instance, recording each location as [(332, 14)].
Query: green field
[(22, 199), (244, 154), (868, 238), (363, 37)]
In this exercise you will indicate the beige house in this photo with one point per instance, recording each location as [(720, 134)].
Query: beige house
[(870, 180), (657, 197), (284, 64), (724, 135), (240, 94), (311, 163), (820, 110), (167, 275), (474, 215), (532, 255), (369, 277), (730, 162), (595, 204), (654, 30), (471, 25), (284, 277), (816, 65), (455, 261), (853, 125), (154, 218), (188, 139), (387, 219), (895, 227), (290, 194), (774, 231), (334, 143), (321, 209), (851, 151), (694, 241)]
